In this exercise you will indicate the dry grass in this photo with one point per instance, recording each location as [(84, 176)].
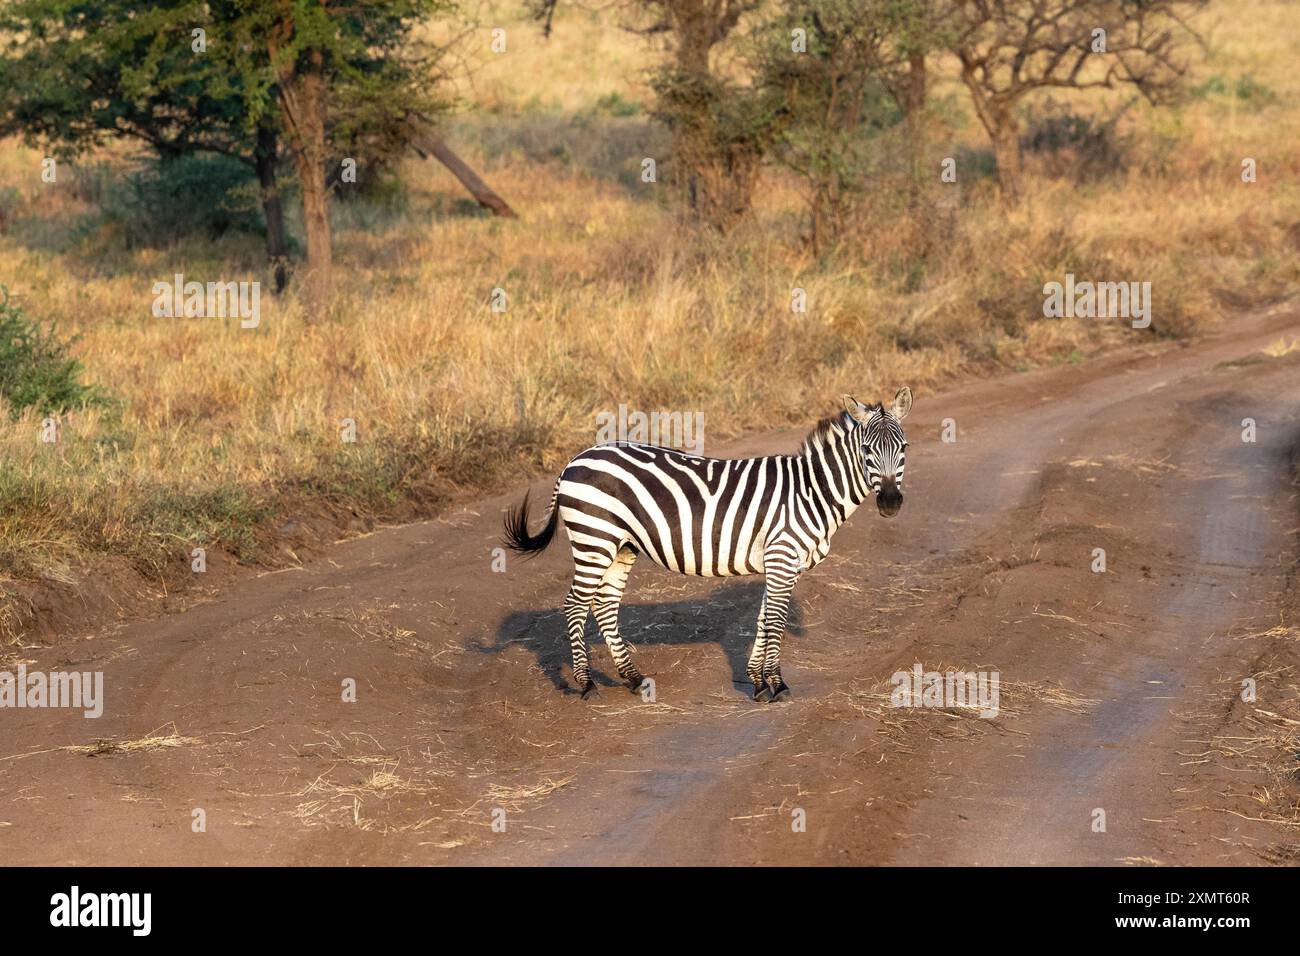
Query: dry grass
[(1260, 748), (1282, 347), (1015, 698), (372, 623), (1279, 631), (1140, 466), (155, 740), (221, 434), (512, 798)]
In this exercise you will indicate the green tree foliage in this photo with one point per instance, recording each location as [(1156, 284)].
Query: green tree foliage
[(721, 127), (35, 368), (845, 71), (74, 74)]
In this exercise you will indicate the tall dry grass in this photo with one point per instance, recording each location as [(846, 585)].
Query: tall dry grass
[(219, 435)]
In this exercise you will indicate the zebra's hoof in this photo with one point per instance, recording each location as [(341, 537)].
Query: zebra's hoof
[(776, 688), (759, 688), (587, 688), (635, 682)]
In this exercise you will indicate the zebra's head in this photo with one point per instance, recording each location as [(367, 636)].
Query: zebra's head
[(883, 446)]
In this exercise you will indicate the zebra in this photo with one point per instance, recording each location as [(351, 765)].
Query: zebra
[(714, 517)]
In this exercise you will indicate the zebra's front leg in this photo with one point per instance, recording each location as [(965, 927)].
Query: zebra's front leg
[(608, 598), (779, 585), (754, 669)]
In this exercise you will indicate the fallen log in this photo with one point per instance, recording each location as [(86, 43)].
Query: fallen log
[(426, 141)]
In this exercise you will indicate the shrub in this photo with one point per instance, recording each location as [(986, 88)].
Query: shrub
[(196, 194), (35, 369), (9, 200), (1074, 146), (615, 105), (1246, 89)]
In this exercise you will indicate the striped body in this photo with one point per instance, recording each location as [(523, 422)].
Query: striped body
[(702, 516), (715, 518)]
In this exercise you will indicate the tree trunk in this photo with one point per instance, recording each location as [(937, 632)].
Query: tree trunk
[(1006, 149), (694, 31), (717, 174), (277, 247), (1000, 123), (691, 122), (426, 141), (914, 95), (302, 105)]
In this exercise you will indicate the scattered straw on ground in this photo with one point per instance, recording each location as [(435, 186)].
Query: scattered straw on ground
[(1261, 747), (155, 740), (1144, 466), (514, 797), (1014, 699), (1281, 347)]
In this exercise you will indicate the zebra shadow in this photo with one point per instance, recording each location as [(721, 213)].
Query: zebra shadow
[(726, 617)]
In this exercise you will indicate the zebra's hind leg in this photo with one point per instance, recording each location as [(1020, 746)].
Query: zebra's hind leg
[(754, 670), (589, 567), (777, 600), (576, 606), (608, 597)]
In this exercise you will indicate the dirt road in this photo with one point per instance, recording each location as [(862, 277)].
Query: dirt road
[(1120, 690)]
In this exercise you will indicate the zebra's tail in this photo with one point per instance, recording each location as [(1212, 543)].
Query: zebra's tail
[(517, 537)]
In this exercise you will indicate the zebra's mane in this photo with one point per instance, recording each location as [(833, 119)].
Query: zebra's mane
[(821, 430)]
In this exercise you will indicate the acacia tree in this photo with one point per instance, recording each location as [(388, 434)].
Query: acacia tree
[(73, 75), (1010, 48), (721, 127), (362, 62), (842, 72), (334, 80)]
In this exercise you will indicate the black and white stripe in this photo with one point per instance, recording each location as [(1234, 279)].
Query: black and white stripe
[(772, 516)]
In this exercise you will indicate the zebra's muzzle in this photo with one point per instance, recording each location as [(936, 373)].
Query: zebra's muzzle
[(889, 499)]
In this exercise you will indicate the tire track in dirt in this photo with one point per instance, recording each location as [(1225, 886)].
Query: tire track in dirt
[(1228, 522), (458, 669), (650, 816)]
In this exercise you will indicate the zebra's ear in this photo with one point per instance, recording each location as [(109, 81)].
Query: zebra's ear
[(856, 409), (902, 403)]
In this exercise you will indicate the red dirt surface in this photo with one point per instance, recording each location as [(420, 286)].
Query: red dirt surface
[(1120, 691)]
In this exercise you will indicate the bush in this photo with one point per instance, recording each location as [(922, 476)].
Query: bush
[(615, 105), (975, 162), (197, 194), (1246, 89), (9, 200), (35, 369), (1073, 146), (831, 104)]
